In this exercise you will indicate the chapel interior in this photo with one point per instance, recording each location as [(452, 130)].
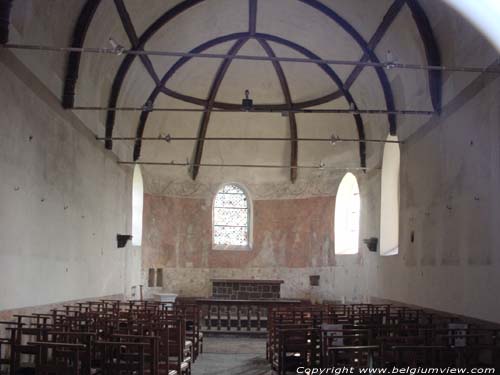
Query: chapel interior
[(249, 187)]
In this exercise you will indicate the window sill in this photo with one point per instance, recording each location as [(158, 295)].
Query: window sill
[(231, 248), (346, 254), (390, 253)]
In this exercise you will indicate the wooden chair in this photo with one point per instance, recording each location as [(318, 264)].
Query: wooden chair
[(296, 347), (347, 347), (121, 357), (63, 359)]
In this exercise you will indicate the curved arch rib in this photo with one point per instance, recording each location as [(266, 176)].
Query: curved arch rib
[(166, 17), (129, 59), (205, 119), (87, 14), (211, 43), (73, 66), (178, 64), (431, 51), (252, 17), (334, 77), (133, 39), (288, 101), (5, 8), (384, 81), (387, 21)]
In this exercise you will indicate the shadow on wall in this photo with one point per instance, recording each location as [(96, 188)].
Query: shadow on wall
[(484, 15)]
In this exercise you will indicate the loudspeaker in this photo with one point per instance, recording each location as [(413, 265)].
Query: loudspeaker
[(122, 239), (371, 243)]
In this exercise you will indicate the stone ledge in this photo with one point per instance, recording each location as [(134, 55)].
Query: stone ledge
[(249, 281)]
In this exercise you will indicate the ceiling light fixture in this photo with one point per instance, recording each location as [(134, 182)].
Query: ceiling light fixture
[(247, 103), (118, 49), (334, 139), (148, 106), (391, 62)]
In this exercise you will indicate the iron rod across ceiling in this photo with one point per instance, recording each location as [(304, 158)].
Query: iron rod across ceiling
[(123, 51), (257, 110), (266, 166), (168, 139)]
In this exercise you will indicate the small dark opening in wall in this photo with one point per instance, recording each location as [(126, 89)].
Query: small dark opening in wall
[(314, 280), (412, 237), (151, 277), (159, 277)]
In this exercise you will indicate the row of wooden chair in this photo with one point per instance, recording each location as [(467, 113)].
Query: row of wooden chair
[(107, 337), (376, 335)]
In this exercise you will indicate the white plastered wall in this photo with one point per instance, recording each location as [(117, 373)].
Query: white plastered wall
[(63, 200)]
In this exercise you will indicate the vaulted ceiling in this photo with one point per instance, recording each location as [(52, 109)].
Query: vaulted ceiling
[(354, 30)]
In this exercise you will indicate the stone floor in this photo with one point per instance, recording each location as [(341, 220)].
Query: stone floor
[(232, 356)]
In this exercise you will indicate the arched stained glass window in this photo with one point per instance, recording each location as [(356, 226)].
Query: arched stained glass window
[(347, 212), (231, 217)]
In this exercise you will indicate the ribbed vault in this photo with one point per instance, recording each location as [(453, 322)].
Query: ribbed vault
[(341, 88)]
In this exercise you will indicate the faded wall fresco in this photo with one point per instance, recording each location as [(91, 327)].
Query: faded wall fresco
[(292, 239), (286, 233)]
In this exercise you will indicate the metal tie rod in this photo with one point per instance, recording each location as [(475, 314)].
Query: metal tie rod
[(121, 51), (177, 164), (333, 139), (257, 110)]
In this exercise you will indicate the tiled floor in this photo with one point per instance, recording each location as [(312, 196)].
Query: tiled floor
[(233, 356)]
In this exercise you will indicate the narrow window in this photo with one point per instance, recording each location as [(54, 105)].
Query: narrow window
[(231, 218), (137, 204), (159, 277), (151, 277), (389, 201), (347, 212)]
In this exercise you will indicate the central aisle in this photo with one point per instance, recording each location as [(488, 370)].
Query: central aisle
[(232, 356)]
